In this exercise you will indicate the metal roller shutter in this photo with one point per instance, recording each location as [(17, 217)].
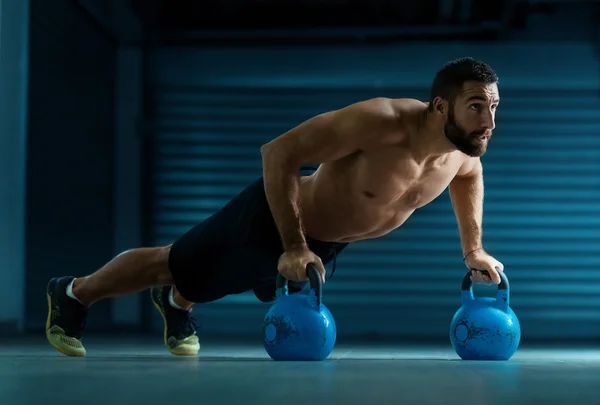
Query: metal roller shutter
[(541, 210)]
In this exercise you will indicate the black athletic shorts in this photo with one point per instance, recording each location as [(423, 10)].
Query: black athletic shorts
[(236, 250)]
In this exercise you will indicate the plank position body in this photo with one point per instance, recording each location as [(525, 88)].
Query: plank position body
[(379, 160)]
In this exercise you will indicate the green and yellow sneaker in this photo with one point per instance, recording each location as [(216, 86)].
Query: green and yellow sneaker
[(180, 327), (66, 318)]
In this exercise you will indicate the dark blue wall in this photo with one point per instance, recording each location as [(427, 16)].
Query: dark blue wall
[(70, 151), (541, 172), (215, 107), (14, 26)]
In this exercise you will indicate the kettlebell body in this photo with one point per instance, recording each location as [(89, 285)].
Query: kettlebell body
[(299, 327), (485, 328)]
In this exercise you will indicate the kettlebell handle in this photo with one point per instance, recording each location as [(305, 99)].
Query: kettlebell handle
[(467, 284), (314, 278), (502, 297)]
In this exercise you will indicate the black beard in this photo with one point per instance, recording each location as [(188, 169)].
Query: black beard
[(464, 141)]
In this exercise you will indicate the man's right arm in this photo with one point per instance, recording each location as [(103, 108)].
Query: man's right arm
[(323, 138)]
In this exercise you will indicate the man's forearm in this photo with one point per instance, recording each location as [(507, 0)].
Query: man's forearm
[(466, 194), (282, 188)]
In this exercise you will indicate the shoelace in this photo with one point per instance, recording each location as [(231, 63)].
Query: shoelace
[(191, 320), (185, 321)]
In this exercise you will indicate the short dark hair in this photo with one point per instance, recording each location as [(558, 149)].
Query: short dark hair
[(449, 80)]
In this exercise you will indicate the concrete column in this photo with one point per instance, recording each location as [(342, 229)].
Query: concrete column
[(14, 38)]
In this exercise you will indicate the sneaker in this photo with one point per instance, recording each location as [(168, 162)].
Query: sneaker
[(66, 318), (180, 327)]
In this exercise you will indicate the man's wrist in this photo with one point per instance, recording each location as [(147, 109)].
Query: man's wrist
[(295, 245), (470, 251)]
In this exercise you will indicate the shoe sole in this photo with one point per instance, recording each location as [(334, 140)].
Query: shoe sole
[(48, 325), (175, 352)]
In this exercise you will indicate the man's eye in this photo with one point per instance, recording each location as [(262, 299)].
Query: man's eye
[(474, 107)]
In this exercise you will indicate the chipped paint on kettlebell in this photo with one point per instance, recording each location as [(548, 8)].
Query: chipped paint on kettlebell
[(283, 327)]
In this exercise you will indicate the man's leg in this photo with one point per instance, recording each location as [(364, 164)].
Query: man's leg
[(69, 298), (153, 271), (130, 272), (194, 263)]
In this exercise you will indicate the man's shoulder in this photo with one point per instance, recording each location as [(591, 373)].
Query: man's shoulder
[(409, 105), (392, 117), (386, 107), (399, 103)]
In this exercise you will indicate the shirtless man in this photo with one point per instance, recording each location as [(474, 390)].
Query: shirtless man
[(380, 160)]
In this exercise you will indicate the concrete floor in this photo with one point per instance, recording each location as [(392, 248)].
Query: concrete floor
[(140, 371)]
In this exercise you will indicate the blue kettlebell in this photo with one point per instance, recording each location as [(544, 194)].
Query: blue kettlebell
[(299, 327), (485, 328)]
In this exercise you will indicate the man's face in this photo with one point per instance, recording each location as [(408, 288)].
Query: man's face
[(471, 118)]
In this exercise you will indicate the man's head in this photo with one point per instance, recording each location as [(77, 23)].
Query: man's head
[(465, 93)]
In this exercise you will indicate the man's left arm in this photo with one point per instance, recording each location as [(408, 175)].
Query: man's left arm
[(466, 194)]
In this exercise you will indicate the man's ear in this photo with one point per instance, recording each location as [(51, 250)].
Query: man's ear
[(440, 106)]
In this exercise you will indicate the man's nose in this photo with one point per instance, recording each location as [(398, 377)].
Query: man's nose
[(488, 121)]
